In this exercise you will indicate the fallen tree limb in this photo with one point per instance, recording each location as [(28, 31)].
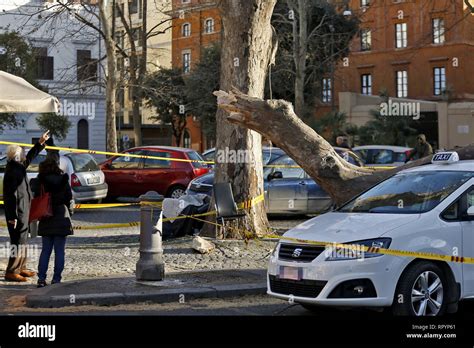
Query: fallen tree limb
[(277, 121)]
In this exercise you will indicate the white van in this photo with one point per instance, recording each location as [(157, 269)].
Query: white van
[(427, 209)]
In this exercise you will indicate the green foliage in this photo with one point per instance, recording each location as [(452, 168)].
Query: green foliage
[(331, 125), (387, 130), (17, 51), (168, 89), (164, 90), (58, 125), (8, 120)]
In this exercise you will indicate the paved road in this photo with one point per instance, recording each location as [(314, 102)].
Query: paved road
[(245, 305), (113, 252)]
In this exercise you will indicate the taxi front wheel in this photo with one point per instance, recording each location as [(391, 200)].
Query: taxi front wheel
[(421, 291)]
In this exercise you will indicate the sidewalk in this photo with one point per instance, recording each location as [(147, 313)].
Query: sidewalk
[(176, 287)]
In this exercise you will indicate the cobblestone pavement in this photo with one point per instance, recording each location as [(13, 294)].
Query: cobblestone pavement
[(114, 252)]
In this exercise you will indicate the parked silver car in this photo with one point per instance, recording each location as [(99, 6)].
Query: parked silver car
[(382, 155), (85, 177)]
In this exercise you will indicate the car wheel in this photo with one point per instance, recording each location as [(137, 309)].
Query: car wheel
[(176, 192), (421, 291)]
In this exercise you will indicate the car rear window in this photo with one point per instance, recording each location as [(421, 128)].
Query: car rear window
[(193, 155), (154, 163), (34, 165), (83, 163), (399, 157), (3, 164)]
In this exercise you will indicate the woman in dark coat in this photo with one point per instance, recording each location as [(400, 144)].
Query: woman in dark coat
[(17, 196), (54, 230)]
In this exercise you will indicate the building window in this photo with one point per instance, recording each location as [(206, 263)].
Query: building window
[(83, 134), (366, 84), (185, 1), (186, 62), (365, 39), (438, 31), (44, 64), (364, 3), (401, 39), (186, 139), (209, 26), (133, 6), (439, 80), (119, 38), (402, 84), (186, 30), (137, 36), (86, 66), (326, 90)]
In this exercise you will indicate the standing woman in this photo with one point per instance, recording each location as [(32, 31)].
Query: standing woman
[(17, 199), (54, 229)]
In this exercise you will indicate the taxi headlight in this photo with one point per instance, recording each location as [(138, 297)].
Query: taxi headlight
[(337, 254)]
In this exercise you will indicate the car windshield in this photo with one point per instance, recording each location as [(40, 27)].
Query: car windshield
[(83, 163), (286, 165), (408, 193)]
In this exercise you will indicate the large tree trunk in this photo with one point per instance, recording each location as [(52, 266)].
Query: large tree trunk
[(300, 50), (246, 53), (276, 120), (111, 125)]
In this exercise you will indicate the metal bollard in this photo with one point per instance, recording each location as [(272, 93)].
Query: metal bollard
[(150, 266)]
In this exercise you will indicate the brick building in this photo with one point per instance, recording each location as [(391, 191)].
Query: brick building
[(196, 24), (411, 50)]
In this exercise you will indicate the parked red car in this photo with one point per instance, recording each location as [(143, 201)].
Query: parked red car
[(132, 176)]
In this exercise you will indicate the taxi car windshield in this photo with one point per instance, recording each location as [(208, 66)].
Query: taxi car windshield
[(408, 193)]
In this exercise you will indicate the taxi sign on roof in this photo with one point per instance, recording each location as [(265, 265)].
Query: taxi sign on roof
[(445, 157)]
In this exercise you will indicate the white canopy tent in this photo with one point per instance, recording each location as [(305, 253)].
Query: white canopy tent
[(18, 95)]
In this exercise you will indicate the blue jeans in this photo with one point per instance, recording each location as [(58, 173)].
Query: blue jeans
[(59, 244)]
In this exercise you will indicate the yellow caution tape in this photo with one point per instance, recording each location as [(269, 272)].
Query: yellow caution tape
[(357, 247), (107, 226), (376, 250), (103, 205), (109, 205), (106, 153), (247, 204)]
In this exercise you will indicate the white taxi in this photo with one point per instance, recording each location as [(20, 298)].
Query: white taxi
[(427, 209)]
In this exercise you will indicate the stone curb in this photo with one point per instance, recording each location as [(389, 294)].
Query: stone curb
[(155, 296)]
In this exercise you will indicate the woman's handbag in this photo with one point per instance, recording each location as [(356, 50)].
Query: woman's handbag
[(41, 206)]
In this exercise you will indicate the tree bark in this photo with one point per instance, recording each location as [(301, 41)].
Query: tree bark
[(276, 120), (111, 123), (300, 50), (246, 54)]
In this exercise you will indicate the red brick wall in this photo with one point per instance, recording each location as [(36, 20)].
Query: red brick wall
[(195, 13), (421, 55)]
